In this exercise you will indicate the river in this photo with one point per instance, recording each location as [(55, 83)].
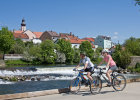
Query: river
[(40, 78)]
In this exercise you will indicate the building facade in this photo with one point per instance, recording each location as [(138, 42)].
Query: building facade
[(103, 42), (50, 35), (27, 35)]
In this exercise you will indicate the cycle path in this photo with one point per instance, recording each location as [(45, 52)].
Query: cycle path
[(131, 92)]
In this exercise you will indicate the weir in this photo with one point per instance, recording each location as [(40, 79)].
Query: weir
[(39, 78)]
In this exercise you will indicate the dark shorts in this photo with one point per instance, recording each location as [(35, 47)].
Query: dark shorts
[(113, 68), (89, 69)]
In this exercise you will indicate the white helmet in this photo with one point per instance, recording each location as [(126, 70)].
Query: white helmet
[(105, 51)]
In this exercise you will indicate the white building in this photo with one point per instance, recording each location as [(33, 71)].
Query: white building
[(27, 35), (103, 41)]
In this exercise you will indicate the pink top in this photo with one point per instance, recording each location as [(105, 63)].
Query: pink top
[(112, 63)]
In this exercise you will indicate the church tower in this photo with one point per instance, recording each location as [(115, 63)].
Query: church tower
[(23, 25)]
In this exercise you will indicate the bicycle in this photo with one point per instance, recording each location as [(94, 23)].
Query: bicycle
[(118, 81), (77, 82)]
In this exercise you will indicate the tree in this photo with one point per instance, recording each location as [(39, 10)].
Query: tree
[(121, 57), (87, 48), (6, 40), (18, 47), (48, 51), (76, 55), (97, 55), (137, 2), (133, 46), (66, 48)]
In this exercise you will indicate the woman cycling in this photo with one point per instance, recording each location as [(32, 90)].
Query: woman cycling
[(111, 65)]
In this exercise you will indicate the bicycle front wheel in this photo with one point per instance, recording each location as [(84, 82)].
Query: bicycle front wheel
[(119, 82), (75, 85), (96, 85)]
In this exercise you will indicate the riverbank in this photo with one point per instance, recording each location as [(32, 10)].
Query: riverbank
[(55, 91), (21, 63)]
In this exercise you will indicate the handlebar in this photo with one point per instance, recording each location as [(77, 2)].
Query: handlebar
[(82, 70)]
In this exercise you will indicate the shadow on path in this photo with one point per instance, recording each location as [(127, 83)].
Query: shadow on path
[(86, 93)]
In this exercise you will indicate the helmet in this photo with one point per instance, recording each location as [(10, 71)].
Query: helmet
[(105, 51)]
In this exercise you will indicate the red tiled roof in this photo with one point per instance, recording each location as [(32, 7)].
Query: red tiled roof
[(76, 41), (90, 39), (66, 35), (18, 31), (38, 34), (20, 35)]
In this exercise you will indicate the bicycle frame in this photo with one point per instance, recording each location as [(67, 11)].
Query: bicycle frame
[(80, 75), (101, 73)]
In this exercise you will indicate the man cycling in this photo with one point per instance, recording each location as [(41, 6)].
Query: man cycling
[(88, 65)]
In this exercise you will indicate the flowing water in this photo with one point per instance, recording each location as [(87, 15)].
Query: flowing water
[(40, 78)]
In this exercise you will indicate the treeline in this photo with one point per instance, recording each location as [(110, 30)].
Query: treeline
[(131, 47), (49, 52)]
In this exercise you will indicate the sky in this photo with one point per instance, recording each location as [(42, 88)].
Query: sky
[(119, 19)]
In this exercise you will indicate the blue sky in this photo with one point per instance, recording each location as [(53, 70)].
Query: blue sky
[(119, 19)]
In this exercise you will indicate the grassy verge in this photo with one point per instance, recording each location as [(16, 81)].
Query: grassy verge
[(16, 62)]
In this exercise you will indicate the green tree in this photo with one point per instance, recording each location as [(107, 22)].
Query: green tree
[(137, 2), (36, 53), (66, 48), (87, 48), (6, 40), (97, 55), (48, 51), (121, 57), (76, 55), (29, 44), (133, 46), (18, 47)]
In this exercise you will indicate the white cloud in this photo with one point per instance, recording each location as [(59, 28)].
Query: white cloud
[(115, 37), (116, 33)]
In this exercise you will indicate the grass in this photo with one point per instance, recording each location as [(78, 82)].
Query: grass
[(16, 62)]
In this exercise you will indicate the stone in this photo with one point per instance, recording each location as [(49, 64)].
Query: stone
[(2, 63)]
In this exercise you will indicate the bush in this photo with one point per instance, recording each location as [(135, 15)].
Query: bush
[(121, 57), (135, 69), (137, 65), (97, 60)]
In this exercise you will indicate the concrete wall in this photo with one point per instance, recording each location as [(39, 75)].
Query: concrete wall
[(13, 56), (134, 60)]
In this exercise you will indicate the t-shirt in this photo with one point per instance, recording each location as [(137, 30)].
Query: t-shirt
[(86, 60), (112, 63)]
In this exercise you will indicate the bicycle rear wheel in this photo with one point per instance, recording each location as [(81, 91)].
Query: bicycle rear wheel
[(75, 85), (96, 85), (119, 82)]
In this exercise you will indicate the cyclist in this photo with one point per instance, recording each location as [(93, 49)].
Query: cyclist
[(88, 65), (111, 65)]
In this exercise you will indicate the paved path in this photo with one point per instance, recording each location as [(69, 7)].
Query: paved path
[(131, 92)]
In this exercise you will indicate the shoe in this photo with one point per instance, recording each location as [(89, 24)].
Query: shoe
[(109, 84), (86, 83)]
